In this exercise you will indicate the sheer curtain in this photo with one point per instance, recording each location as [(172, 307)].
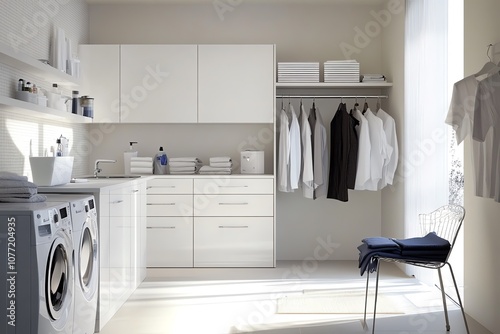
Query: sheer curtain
[(426, 105)]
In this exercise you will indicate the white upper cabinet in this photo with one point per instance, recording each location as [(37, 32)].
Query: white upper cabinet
[(236, 83), (101, 80), (158, 84)]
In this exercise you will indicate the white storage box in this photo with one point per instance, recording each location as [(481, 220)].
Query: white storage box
[(51, 171), (252, 162)]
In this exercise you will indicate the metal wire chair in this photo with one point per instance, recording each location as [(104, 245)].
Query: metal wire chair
[(446, 223)]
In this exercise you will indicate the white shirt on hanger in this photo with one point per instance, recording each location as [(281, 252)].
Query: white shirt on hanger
[(391, 163), (364, 149), (380, 150), (295, 151), (320, 157), (461, 117), (284, 153), (307, 175), (487, 123)]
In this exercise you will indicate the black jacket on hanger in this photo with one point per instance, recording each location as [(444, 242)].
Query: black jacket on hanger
[(343, 154)]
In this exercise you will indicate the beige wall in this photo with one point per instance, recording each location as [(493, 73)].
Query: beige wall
[(482, 224), (311, 32)]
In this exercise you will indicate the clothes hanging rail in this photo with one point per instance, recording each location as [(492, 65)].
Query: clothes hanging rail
[(332, 96)]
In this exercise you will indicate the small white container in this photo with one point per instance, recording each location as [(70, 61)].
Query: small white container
[(51, 171), (26, 96), (252, 162)]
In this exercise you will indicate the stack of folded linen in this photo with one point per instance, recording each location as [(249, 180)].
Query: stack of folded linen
[(15, 188), (141, 165), (184, 165), (218, 165)]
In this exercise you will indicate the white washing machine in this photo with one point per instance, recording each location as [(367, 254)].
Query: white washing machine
[(36, 268), (85, 236)]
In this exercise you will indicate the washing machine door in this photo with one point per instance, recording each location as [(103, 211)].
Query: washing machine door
[(87, 266), (58, 278)]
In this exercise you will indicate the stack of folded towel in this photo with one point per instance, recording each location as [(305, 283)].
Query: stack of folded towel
[(141, 165), (184, 165), (218, 166), (17, 189)]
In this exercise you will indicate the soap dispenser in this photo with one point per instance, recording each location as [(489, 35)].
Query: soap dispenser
[(127, 155), (160, 162)]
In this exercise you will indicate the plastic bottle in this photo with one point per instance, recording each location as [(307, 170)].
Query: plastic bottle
[(20, 85), (160, 162), (75, 106), (55, 89), (59, 150)]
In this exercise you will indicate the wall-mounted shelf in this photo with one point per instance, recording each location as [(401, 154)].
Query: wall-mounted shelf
[(33, 110), (320, 85), (21, 61)]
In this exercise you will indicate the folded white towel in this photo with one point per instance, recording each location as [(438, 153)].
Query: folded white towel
[(220, 159), (12, 176), (146, 164), (214, 173), (141, 170), (18, 191), (31, 199), (221, 164), (192, 159), (205, 169), (182, 169), (182, 173), (16, 184), (141, 159), (183, 163)]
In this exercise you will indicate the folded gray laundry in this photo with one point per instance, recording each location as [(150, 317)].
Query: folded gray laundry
[(32, 199), (12, 176), (25, 190), (16, 184)]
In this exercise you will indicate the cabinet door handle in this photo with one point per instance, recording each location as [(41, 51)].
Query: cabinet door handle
[(234, 186), (243, 203), (135, 190), (163, 228), (230, 226), (161, 204), (117, 202)]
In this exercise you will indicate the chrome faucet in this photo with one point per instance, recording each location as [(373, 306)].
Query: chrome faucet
[(97, 170)]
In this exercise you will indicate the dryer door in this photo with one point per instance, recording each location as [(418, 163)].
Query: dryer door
[(87, 266), (58, 278)]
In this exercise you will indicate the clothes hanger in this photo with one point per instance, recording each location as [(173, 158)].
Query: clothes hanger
[(356, 104), (489, 67), (365, 107), (378, 103)]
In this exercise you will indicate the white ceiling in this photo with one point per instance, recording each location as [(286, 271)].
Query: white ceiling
[(357, 2)]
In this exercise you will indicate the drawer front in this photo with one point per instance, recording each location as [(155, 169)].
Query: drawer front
[(233, 242), (170, 186), (169, 205), (169, 242), (233, 205), (215, 186)]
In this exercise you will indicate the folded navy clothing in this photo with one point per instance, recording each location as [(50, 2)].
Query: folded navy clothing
[(380, 243), (429, 242), (430, 248)]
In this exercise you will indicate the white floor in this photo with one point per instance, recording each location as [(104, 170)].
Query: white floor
[(227, 301)]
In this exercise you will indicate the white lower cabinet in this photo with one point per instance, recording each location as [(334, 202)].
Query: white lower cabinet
[(210, 222), (169, 223), (233, 242), (170, 242)]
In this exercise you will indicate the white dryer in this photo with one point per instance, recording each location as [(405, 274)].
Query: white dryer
[(36, 268), (85, 236)]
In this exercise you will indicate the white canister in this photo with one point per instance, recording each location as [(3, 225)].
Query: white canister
[(252, 162)]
